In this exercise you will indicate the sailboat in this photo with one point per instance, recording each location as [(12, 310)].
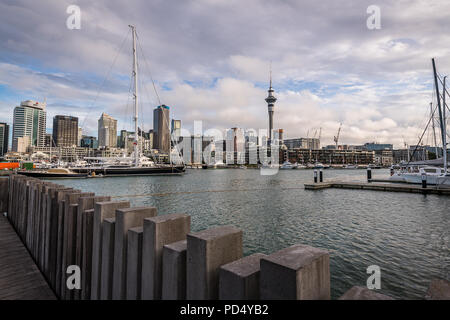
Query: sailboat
[(137, 164), (435, 171)]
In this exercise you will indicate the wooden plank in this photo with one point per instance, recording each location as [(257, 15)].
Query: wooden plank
[(20, 279)]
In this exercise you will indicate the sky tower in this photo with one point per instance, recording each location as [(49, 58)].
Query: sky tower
[(270, 105)]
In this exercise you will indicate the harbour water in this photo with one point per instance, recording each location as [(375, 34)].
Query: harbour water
[(406, 235)]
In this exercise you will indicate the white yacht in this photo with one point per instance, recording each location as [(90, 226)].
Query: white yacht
[(287, 165)]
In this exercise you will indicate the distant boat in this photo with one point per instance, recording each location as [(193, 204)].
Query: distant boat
[(52, 173), (287, 165), (350, 166)]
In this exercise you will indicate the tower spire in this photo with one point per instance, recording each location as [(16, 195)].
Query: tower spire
[(270, 104)]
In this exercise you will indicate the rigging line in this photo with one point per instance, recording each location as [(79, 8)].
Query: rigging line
[(106, 77), (157, 95), (148, 69), (420, 139)]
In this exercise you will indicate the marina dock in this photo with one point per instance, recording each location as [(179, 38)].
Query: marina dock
[(379, 185), (20, 278)]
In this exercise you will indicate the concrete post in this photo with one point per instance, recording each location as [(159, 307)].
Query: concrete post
[(206, 251), (299, 272), (125, 220), (102, 210), (239, 280), (69, 238), (159, 231), (174, 271), (68, 248), (84, 203), (4, 194), (134, 263), (107, 260), (86, 252)]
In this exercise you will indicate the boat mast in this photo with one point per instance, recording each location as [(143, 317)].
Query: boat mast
[(444, 126), (135, 96), (434, 131), (441, 121)]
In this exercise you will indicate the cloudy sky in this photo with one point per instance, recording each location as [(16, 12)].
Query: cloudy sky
[(210, 60)]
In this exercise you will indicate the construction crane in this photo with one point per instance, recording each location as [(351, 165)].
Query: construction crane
[(336, 138)]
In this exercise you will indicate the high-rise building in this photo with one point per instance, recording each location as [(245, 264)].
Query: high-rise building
[(270, 106), (80, 136), (175, 130), (4, 136), (107, 131), (30, 119), (302, 143), (89, 142), (161, 128), (65, 131)]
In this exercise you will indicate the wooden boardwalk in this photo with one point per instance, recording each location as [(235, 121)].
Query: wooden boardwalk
[(391, 187), (20, 279)]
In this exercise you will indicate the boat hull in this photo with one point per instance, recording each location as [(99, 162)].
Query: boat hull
[(50, 175), (133, 171)]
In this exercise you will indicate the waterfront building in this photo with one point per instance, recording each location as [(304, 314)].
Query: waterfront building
[(22, 144), (30, 119), (372, 146), (384, 157), (107, 131), (4, 138), (302, 143), (161, 129), (175, 130), (80, 136), (235, 146), (328, 156), (65, 131), (89, 142)]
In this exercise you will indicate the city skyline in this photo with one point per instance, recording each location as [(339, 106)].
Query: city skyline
[(378, 83)]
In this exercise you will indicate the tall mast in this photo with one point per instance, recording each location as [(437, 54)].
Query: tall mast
[(135, 96), (438, 97), (434, 131), (444, 126)]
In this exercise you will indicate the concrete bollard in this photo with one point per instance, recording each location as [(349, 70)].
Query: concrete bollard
[(315, 176), (107, 259), (206, 251), (239, 280), (4, 194), (102, 210), (320, 175), (362, 293), (54, 227), (69, 238), (369, 174), (125, 220), (159, 231), (84, 203), (174, 271), (299, 272), (86, 253), (134, 263)]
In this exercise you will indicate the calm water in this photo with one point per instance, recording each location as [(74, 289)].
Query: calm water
[(407, 235)]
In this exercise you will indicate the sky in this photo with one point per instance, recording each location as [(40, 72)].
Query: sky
[(210, 62)]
